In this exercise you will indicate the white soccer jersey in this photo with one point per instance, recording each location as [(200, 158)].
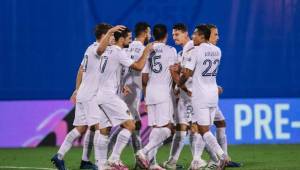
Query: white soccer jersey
[(111, 63), (204, 62), (160, 81), (90, 65), (131, 76), (184, 55)]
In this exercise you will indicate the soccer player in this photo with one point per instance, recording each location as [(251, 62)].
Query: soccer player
[(184, 107), (158, 83), (86, 88), (203, 67), (132, 79), (115, 110), (219, 120)]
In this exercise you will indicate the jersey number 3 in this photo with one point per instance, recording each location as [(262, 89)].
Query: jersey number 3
[(211, 64)]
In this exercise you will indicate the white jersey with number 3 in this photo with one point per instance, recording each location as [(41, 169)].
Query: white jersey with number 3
[(112, 61), (160, 81), (204, 62), (89, 83)]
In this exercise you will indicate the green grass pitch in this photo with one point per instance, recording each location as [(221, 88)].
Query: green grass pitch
[(253, 157)]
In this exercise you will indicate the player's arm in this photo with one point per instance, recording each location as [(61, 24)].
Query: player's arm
[(78, 82), (175, 72), (145, 78), (140, 63), (220, 90), (186, 73), (104, 42)]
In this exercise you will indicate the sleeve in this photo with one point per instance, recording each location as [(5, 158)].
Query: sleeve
[(174, 56), (125, 60), (190, 61)]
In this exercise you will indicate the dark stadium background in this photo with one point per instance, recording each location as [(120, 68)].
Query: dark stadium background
[(42, 42)]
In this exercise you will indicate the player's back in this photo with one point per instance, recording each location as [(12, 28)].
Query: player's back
[(160, 81), (205, 89), (89, 83), (111, 64)]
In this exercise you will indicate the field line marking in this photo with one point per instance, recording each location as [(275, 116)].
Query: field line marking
[(20, 167)]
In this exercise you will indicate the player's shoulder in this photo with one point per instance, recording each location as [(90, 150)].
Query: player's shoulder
[(172, 49)]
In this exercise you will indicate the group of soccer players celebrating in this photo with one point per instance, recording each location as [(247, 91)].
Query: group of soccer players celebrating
[(180, 92)]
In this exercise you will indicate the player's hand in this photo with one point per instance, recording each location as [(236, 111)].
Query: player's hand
[(149, 48), (116, 28), (220, 90), (126, 90), (189, 93), (73, 97), (175, 67)]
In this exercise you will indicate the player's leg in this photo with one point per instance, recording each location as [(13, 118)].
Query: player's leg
[(98, 121), (113, 138), (204, 121), (80, 123), (197, 147), (160, 117), (88, 143), (220, 124), (118, 113), (182, 125)]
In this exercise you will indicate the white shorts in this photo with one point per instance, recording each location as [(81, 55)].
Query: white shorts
[(115, 112), (184, 112), (133, 102), (219, 115), (160, 114), (87, 113), (204, 116)]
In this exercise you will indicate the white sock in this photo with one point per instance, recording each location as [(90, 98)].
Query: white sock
[(87, 145), (100, 146), (177, 145), (136, 141), (158, 135), (121, 142), (213, 155), (197, 144), (222, 139), (67, 144), (211, 141), (152, 155), (113, 139)]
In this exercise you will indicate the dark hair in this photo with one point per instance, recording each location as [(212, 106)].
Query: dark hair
[(180, 26), (210, 26), (159, 31), (203, 30), (101, 29), (140, 27), (123, 33)]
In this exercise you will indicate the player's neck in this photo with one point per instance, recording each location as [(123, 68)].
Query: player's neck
[(119, 45), (185, 41), (140, 39), (160, 41)]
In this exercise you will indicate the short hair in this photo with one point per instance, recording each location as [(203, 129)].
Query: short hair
[(180, 26), (123, 33), (101, 29), (140, 27), (203, 29), (159, 31), (210, 26)]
